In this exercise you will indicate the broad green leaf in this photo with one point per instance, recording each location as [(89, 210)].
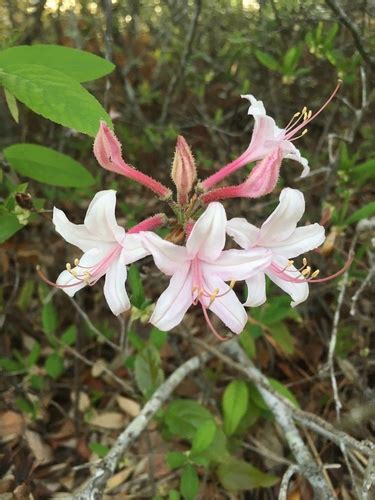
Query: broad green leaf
[(267, 60), (284, 391), (217, 452), (280, 332), (173, 495), (80, 65), (238, 475), (12, 105), (235, 401), (55, 96), (148, 372), (33, 357), (203, 437), (175, 459), (9, 225), (189, 483), (184, 416), (48, 166), (158, 338), (54, 366), (362, 213)]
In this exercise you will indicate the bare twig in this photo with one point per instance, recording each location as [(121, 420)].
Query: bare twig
[(353, 28), (104, 469), (183, 61), (364, 284), (291, 470)]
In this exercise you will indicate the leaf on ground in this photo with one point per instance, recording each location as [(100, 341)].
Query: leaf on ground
[(108, 420), (11, 423), (129, 406)]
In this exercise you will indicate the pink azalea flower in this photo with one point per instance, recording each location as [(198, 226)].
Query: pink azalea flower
[(107, 250), (199, 271), (280, 235), (267, 138)]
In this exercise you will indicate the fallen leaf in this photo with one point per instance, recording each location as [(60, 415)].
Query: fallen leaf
[(11, 424), (129, 406), (109, 420), (42, 452), (118, 479)]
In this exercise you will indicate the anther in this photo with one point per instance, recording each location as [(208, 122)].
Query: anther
[(76, 262), (306, 272), (232, 283), (304, 262), (68, 266), (315, 274)]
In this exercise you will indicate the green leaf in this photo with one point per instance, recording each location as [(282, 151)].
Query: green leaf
[(33, 357), (173, 495), (362, 213), (238, 475), (189, 483), (69, 337), (12, 105), (48, 166), (49, 318), (80, 65), (284, 391), (280, 332), (175, 459), (11, 365), (267, 60), (184, 416), (54, 366), (203, 437), (99, 449), (235, 401), (9, 225), (55, 96), (137, 297), (217, 452), (291, 59), (148, 372), (158, 338), (363, 172)]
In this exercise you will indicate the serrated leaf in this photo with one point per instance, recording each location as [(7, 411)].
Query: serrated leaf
[(362, 213), (80, 65), (189, 483), (284, 391), (9, 225), (12, 105), (54, 366), (55, 96), (235, 401), (238, 475), (184, 416), (148, 372), (267, 60), (48, 166), (203, 437)]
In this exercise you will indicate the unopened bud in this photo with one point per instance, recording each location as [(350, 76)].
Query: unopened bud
[(183, 171), (107, 150)]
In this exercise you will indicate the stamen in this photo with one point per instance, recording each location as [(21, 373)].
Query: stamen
[(290, 263), (212, 328), (315, 274), (68, 266), (299, 136), (306, 272), (76, 262)]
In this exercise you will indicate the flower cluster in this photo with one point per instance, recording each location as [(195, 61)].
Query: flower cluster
[(202, 272)]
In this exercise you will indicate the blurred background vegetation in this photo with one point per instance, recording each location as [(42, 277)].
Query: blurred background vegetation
[(180, 68)]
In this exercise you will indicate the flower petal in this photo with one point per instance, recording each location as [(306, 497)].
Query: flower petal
[(168, 257), (100, 218), (256, 290), (238, 264), (283, 221), (207, 238), (292, 153), (227, 307), (114, 286), (71, 284), (75, 234), (243, 233), (302, 240), (298, 291), (174, 301), (134, 248), (256, 107)]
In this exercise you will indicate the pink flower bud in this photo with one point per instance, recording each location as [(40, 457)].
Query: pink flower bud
[(107, 150), (183, 170), (261, 181), (149, 224)]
